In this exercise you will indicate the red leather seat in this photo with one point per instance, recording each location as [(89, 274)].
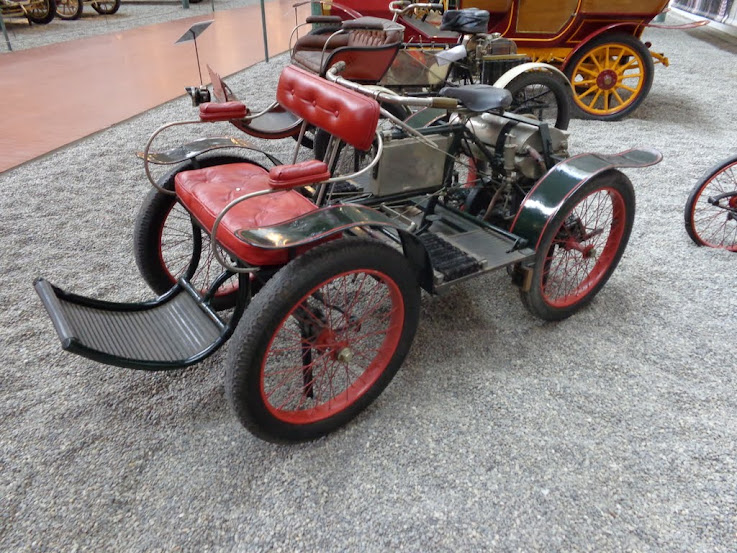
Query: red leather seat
[(207, 191)]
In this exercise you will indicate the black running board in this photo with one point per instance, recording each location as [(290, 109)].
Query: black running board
[(175, 330)]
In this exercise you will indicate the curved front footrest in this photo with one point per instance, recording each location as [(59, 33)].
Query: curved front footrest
[(173, 331)]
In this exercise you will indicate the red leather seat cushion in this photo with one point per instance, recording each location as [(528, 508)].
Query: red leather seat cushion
[(205, 192)]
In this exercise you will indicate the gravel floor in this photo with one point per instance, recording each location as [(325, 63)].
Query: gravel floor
[(611, 431)]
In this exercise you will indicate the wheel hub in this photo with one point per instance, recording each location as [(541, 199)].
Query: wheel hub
[(345, 355), (607, 79), (588, 251)]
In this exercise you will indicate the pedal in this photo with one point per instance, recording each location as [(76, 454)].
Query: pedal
[(447, 259)]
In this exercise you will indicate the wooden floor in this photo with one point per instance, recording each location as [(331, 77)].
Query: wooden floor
[(56, 94)]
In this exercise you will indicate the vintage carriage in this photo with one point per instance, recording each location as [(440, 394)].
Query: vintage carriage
[(596, 43)]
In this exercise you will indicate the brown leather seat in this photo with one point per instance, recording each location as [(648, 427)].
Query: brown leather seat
[(368, 45)]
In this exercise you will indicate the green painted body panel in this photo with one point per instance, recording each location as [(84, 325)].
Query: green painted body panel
[(548, 195), (314, 226)]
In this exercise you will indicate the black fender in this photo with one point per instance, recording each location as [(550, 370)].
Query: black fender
[(549, 194), (325, 222)]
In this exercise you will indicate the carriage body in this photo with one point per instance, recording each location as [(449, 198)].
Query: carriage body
[(596, 44)]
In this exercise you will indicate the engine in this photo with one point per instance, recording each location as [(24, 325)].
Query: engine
[(522, 145)]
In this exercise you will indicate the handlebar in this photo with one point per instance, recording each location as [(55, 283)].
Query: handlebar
[(400, 7), (439, 102)]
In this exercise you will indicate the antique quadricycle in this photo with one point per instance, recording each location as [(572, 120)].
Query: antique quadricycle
[(596, 43), (324, 269)]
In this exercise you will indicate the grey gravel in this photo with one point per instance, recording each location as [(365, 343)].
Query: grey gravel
[(611, 431)]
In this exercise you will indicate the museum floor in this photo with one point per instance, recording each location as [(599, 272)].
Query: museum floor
[(56, 94)]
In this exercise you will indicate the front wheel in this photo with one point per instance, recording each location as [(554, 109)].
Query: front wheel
[(610, 76), (711, 208), (106, 7), (542, 96), (41, 12), (322, 339), (581, 246), (69, 9)]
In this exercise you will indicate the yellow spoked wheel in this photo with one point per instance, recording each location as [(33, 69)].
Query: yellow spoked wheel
[(611, 76)]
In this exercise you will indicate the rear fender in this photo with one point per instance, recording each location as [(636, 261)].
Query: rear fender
[(549, 194), (515, 72), (629, 27)]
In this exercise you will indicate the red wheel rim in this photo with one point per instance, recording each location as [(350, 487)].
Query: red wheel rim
[(363, 317), (584, 247), (712, 224), (175, 251)]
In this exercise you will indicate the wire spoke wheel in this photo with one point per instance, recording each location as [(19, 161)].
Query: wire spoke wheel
[(611, 76), (106, 7), (322, 339), (168, 244), (69, 9), (581, 246), (332, 347), (711, 209), (41, 12), (186, 252), (542, 96)]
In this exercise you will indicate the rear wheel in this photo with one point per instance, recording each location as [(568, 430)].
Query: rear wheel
[(581, 246), (322, 340), (168, 244), (542, 96), (69, 9), (107, 7), (611, 76), (711, 209), (41, 12)]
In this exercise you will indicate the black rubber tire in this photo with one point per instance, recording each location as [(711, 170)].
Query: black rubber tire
[(159, 211), (535, 92), (106, 7), (632, 102), (69, 10), (43, 13), (258, 337), (606, 246), (711, 225)]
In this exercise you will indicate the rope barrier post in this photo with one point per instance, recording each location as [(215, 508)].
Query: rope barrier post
[(263, 27), (5, 33)]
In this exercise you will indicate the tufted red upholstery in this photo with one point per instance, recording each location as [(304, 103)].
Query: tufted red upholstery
[(213, 111), (341, 112), (205, 192), (299, 174)]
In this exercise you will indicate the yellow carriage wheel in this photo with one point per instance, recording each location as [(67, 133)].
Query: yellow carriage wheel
[(611, 76)]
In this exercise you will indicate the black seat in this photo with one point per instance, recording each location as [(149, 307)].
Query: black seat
[(468, 21), (479, 97)]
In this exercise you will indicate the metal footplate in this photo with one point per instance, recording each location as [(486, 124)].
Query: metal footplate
[(173, 331), (452, 262), (460, 256)]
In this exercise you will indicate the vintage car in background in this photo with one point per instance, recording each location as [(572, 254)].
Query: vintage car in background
[(596, 43)]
